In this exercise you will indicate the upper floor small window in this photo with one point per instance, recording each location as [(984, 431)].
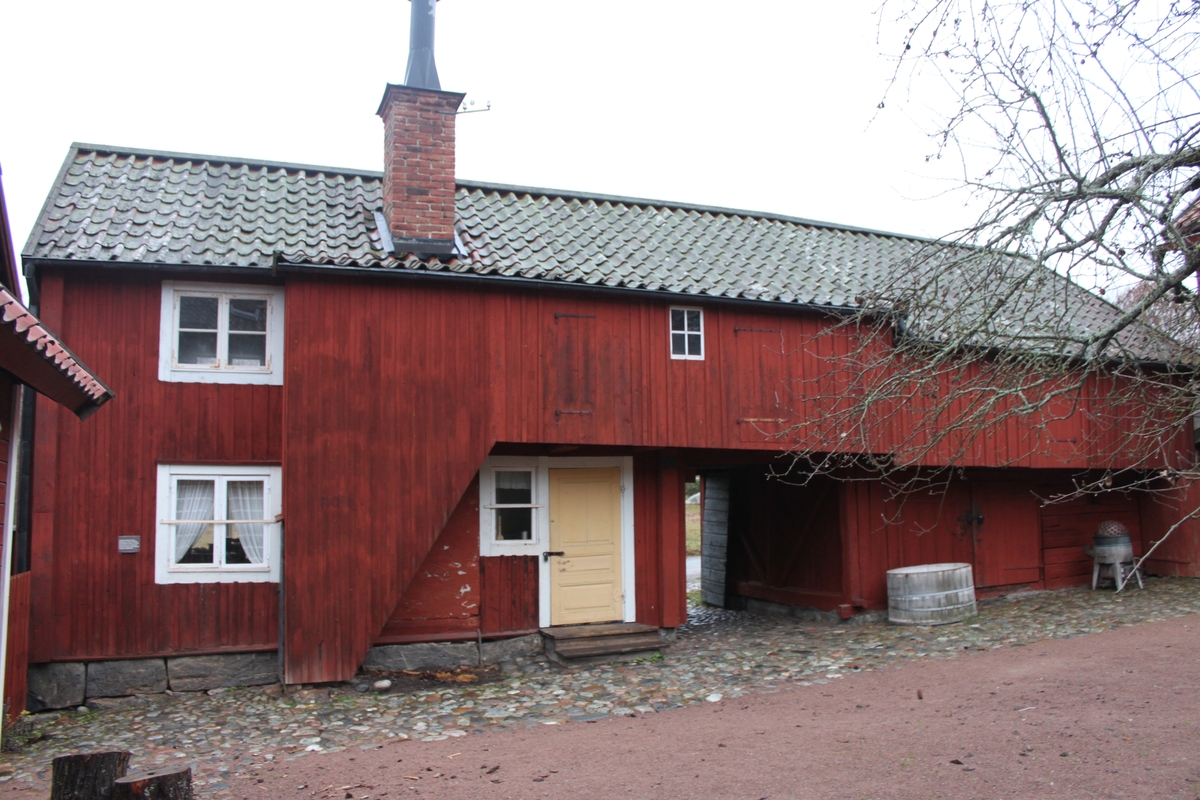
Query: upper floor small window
[(687, 333), (221, 333)]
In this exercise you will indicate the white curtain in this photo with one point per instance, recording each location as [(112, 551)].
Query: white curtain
[(193, 500), (246, 502), (514, 480)]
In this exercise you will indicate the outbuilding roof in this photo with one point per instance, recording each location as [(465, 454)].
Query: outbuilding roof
[(157, 208)]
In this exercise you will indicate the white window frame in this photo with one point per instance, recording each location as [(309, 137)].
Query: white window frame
[(488, 544), (540, 539), (166, 571), (671, 330), (168, 340)]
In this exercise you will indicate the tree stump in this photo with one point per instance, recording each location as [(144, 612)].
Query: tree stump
[(87, 776), (166, 783)]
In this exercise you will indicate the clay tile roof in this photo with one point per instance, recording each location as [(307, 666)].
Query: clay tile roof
[(155, 208)]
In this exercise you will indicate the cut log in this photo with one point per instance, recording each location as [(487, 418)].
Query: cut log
[(87, 776), (167, 783)]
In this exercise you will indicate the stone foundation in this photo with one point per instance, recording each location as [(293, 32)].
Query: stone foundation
[(70, 684), (431, 655)]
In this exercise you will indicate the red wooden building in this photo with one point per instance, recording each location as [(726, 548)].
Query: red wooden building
[(32, 359), (364, 409)]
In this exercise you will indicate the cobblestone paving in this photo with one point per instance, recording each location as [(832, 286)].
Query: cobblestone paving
[(718, 654)]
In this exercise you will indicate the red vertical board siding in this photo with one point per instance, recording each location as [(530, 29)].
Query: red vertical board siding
[(786, 541), (1160, 515), (445, 596), (16, 678), (510, 595), (1008, 542), (387, 426), (395, 391), (96, 480), (672, 534), (648, 580), (1068, 527)]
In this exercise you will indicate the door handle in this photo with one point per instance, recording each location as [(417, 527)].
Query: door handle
[(546, 555)]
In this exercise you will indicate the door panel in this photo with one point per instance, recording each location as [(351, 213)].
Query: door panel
[(585, 525), (1008, 542), (928, 527)]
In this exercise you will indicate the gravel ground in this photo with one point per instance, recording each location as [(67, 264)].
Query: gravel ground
[(241, 735)]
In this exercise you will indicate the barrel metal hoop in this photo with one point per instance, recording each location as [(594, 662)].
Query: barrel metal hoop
[(938, 594)]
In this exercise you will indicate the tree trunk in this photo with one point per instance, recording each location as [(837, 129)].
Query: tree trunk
[(166, 783), (87, 776)]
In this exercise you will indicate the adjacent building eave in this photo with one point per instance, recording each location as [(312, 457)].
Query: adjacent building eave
[(35, 356)]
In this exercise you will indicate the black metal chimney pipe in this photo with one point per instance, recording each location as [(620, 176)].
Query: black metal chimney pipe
[(422, 71)]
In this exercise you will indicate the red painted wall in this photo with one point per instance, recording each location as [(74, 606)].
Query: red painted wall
[(16, 677), (95, 481), (785, 542), (443, 600), (1068, 527), (1164, 516), (395, 391)]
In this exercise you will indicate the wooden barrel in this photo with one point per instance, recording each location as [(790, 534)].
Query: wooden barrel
[(931, 594)]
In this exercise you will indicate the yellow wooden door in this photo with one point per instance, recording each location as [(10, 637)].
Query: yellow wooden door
[(585, 526)]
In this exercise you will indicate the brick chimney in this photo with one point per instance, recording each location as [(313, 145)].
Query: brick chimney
[(418, 168), (418, 142)]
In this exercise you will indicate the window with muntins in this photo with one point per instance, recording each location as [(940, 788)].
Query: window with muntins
[(509, 509), (217, 524), (221, 333), (687, 333), (512, 505)]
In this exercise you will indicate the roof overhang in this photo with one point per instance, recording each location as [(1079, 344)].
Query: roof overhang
[(35, 356)]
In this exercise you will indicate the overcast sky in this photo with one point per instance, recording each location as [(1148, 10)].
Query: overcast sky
[(767, 105)]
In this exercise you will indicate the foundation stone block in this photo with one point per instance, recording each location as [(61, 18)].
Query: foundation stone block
[(511, 649), (201, 673), (422, 656), (56, 685), (122, 678)]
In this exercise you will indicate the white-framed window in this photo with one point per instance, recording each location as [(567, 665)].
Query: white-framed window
[(221, 333), (217, 523), (509, 492), (687, 333)]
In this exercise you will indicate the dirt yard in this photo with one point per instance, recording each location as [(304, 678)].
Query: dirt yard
[(1108, 715)]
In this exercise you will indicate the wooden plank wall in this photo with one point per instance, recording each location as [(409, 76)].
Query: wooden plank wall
[(714, 537), (444, 599), (16, 678), (394, 393), (510, 595), (1068, 527), (1162, 511), (785, 542), (884, 531), (96, 480)]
